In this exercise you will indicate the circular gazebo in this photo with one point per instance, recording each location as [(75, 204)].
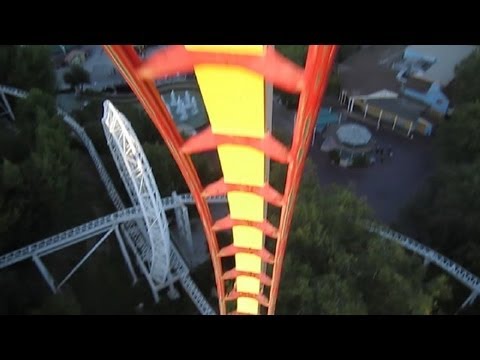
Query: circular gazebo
[(349, 144)]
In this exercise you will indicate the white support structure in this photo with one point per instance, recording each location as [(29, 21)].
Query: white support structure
[(142, 189), (70, 237), (183, 224), (470, 299), (123, 249), (394, 122), (410, 128), (379, 119), (87, 255), (455, 270), (179, 268), (133, 235), (137, 236), (7, 108), (45, 273)]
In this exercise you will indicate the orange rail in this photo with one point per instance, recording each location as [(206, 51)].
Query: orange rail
[(311, 82)]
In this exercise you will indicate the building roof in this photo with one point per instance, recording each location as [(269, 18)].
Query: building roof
[(367, 71), (403, 107), (419, 84), (447, 57)]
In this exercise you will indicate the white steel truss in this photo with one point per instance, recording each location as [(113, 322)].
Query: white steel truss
[(138, 179), (431, 256), (132, 232)]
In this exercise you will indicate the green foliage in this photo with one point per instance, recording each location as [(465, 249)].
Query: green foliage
[(64, 303), (91, 113), (467, 83), (334, 85), (345, 51), (11, 204), (141, 123), (76, 77), (459, 139), (164, 168), (13, 146), (52, 158), (27, 67), (298, 54), (445, 213), (40, 180), (8, 55), (333, 266), (29, 110)]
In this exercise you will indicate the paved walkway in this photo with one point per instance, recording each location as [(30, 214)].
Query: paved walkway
[(387, 187)]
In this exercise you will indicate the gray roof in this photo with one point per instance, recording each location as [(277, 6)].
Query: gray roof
[(418, 84), (368, 70), (403, 107), (447, 56)]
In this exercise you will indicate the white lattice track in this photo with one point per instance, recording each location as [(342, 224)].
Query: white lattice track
[(132, 230), (124, 219)]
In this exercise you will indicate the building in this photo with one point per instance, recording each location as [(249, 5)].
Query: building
[(439, 61), (425, 70), (428, 93), (349, 144), (401, 86), (367, 71), (389, 109)]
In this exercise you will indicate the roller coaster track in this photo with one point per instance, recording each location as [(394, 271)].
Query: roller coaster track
[(430, 256), (133, 235), (100, 225), (233, 82), (70, 237)]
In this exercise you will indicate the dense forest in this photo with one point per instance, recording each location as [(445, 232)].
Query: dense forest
[(333, 266), (445, 214)]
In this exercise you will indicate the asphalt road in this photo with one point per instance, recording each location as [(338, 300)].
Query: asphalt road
[(387, 187)]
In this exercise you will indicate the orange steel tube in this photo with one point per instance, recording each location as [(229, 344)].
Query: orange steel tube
[(127, 62), (317, 70)]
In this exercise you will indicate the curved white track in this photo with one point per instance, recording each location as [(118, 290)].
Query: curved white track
[(452, 268), (138, 179), (133, 235)]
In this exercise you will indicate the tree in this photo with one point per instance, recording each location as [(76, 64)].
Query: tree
[(27, 67), (164, 169), (28, 111), (467, 83), (76, 77), (446, 213), (345, 51), (334, 266), (8, 54), (298, 54), (64, 303), (43, 175), (11, 204), (459, 138)]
